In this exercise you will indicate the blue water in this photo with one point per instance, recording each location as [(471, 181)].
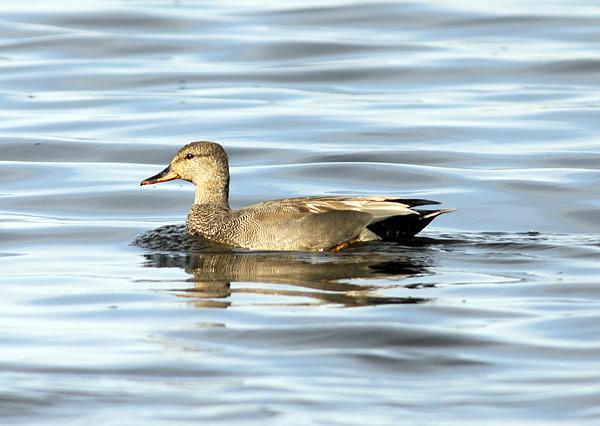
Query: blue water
[(488, 318)]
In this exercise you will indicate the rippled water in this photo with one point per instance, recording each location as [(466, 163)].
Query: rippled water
[(489, 317)]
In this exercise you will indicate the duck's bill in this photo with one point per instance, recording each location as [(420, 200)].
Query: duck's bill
[(164, 176)]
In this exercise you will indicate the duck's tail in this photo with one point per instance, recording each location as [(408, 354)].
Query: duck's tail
[(398, 228)]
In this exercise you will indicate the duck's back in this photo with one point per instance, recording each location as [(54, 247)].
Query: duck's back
[(311, 223)]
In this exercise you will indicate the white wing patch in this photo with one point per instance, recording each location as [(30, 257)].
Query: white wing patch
[(378, 207)]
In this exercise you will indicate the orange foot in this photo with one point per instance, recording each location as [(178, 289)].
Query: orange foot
[(341, 246)]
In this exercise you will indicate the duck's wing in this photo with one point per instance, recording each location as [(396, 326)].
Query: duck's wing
[(342, 219), (286, 226), (379, 207)]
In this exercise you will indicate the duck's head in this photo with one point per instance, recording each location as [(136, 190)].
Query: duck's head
[(202, 163)]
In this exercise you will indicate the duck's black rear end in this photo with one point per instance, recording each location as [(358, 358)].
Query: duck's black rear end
[(398, 228)]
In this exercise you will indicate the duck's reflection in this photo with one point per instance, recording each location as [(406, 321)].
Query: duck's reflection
[(357, 277)]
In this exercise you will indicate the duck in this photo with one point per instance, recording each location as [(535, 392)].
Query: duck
[(315, 223)]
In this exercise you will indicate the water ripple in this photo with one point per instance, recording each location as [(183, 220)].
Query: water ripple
[(488, 315)]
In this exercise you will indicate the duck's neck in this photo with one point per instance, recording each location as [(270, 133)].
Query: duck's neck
[(216, 194)]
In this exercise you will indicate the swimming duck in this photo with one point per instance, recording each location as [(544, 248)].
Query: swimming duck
[(304, 224)]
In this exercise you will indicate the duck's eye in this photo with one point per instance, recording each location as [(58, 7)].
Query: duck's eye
[(189, 156)]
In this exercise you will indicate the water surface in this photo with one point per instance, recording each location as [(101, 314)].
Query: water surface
[(489, 317)]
